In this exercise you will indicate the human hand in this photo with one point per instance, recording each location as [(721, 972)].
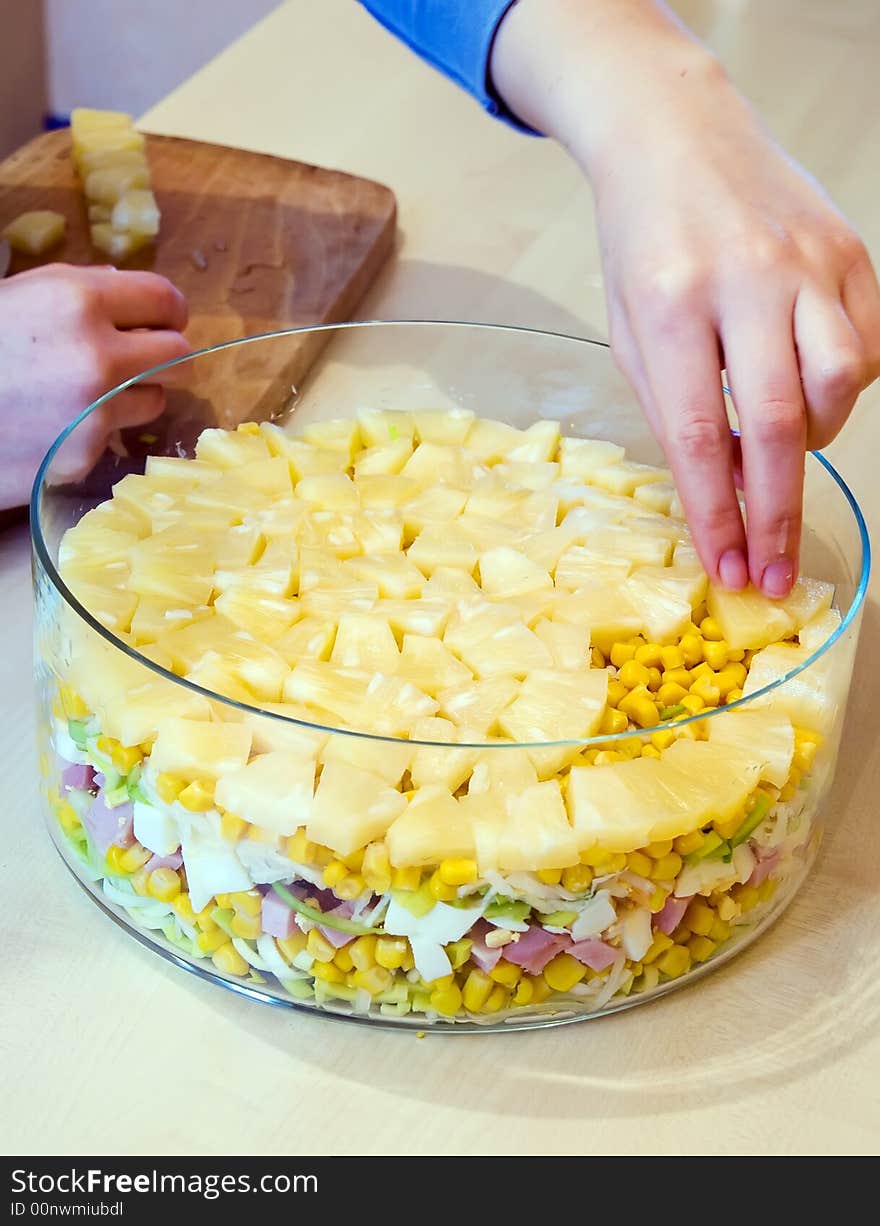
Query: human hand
[(718, 252), (67, 336)]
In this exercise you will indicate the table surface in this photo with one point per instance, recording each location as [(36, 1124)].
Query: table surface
[(107, 1049)]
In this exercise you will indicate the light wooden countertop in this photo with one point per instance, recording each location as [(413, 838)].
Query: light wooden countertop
[(108, 1050)]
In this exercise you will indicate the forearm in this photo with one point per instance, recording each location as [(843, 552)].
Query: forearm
[(594, 73)]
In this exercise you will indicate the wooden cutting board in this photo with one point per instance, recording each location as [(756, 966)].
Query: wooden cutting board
[(256, 243)]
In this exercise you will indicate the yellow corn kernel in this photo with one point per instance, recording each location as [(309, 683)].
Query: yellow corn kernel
[(477, 989), (72, 704), (458, 872), (648, 751), (440, 890), (726, 681), (68, 818), (691, 647), (655, 679), (343, 959), (334, 873), (299, 848), (524, 991), (641, 708), (549, 876), (727, 829), (597, 659), (224, 901), (686, 843), (376, 868), (598, 859), (506, 973), (246, 926), (747, 896), (719, 931), (710, 629), (374, 980), (621, 653), (232, 828), (633, 674), (616, 691), (692, 703), (701, 948), (327, 972), (391, 952), (638, 862), (651, 655), (792, 784), (658, 850), (702, 670), (727, 908), (671, 657), (354, 861), (406, 878), (292, 946), (105, 745), (363, 952), (766, 890), (657, 901), (678, 676), (650, 977), (675, 961), (446, 1000), (350, 887), (228, 960), (577, 879), (444, 981), (635, 969), (700, 917), (319, 947), (114, 859), (806, 745), (198, 796), (563, 972), (659, 946), (209, 942), (715, 654), (733, 696), (184, 909), (707, 690), (671, 693), (248, 427), (247, 902), (667, 867), (164, 884), (134, 857), (663, 739), (169, 787), (497, 999), (613, 722), (458, 952), (205, 920), (607, 757), (540, 988)]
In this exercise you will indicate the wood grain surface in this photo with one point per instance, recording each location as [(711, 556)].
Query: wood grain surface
[(256, 243)]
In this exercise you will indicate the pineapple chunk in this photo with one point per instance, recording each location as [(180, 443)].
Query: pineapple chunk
[(262, 614), (386, 491), (619, 541), (135, 211), (392, 706), (479, 704), (727, 776), (365, 641), (763, 734), (258, 665), (816, 632), (35, 232), (807, 600), (546, 548), (431, 666), (305, 459), (568, 644), (311, 638), (747, 619), (656, 496), (107, 140), (134, 715), (626, 476), (84, 121), (666, 610), (300, 739), (528, 474), (340, 434), (119, 245), (388, 458), (193, 749), (526, 832), (580, 568), (446, 583), (380, 426), (395, 576), (153, 618), (113, 183), (230, 449), (580, 457), (609, 613), (433, 828), (439, 764), (502, 772), (445, 426), (538, 444), (492, 641), (270, 476), (337, 690), (442, 545), (813, 698), (273, 791), (352, 807), (485, 533), (506, 572), (435, 505), (390, 761), (432, 464), (378, 531), (425, 617), (332, 491), (556, 706), (213, 675)]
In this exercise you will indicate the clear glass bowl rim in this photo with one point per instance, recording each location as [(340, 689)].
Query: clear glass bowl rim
[(43, 555)]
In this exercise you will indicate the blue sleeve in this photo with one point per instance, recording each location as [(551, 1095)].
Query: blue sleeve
[(454, 36)]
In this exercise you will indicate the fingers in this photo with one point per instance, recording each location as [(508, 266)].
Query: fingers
[(832, 363), (765, 383), (682, 368), (134, 407), (136, 352), (861, 300), (141, 300)]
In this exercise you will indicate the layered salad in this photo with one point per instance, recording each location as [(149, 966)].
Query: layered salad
[(419, 715)]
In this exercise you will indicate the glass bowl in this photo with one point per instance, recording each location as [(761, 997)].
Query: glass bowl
[(136, 758)]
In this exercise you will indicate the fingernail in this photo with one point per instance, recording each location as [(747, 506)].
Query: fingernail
[(777, 578), (732, 570)]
